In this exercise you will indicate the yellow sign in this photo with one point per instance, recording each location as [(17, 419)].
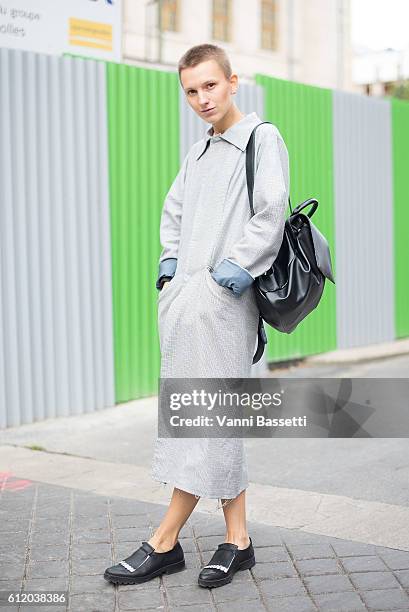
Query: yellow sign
[(85, 33), (88, 28)]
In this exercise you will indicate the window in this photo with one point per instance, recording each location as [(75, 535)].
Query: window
[(269, 24), (169, 15), (221, 20)]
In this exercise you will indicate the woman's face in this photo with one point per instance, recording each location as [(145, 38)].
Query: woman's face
[(208, 91)]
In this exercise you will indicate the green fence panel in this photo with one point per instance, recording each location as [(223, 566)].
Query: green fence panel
[(400, 134), (143, 135), (303, 114)]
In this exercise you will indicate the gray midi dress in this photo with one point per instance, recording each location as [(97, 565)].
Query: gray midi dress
[(206, 330)]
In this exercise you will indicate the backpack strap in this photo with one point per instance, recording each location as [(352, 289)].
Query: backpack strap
[(261, 340), (250, 154)]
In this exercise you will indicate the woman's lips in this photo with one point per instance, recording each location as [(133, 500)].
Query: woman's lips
[(209, 110)]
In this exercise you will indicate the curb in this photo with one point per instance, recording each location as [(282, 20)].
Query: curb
[(362, 353)]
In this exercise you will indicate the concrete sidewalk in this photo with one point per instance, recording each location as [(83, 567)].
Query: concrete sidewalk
[(362, 353), (62, 538), (328, 517), (311, 512)]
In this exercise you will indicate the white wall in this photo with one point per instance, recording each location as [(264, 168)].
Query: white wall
[(312, 39)]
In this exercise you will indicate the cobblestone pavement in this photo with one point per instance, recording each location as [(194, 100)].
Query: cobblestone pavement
[(56, 538)]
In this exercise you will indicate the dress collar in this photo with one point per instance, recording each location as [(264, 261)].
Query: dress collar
[(238, 134)]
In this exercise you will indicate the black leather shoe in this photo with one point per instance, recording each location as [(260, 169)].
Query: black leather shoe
[(227, 560), (145, 564)]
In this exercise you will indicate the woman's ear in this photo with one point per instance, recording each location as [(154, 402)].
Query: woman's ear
[(234, 83)]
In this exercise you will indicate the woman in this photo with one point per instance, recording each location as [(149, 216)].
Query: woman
[(207, 316)]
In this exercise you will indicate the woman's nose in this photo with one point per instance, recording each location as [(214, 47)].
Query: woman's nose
[(202, 98)]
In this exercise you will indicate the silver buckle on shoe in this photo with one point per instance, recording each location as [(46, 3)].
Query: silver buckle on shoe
[(127, 566), (223, 568), (220, 567), (133, 569)]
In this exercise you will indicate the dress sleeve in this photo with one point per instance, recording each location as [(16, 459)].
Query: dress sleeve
[(262, 235), (170, 224)]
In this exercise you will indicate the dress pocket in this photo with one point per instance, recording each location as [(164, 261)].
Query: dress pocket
[(218, 289), (163, 290)]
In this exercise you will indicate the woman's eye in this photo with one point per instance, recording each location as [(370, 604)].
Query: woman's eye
[(211, 84)]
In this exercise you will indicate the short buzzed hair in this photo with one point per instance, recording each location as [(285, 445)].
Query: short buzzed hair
[(202, 53)]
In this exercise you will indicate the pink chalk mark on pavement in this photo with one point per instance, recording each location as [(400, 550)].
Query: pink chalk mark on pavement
[(10, 482)]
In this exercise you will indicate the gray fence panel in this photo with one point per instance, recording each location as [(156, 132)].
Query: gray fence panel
[(56, 339), (363, 219)]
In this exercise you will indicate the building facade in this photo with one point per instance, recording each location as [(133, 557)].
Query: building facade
[(378, 73), (306, 41)]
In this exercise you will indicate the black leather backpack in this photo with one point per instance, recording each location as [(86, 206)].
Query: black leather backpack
[(293, 286)]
